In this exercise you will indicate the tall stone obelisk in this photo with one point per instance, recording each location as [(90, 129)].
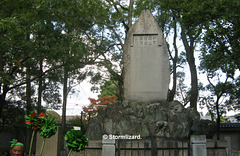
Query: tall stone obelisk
[(146, 61)]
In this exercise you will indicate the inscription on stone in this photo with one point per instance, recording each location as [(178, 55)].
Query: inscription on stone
[(143, 40)]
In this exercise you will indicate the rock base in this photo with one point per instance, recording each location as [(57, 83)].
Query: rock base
[(160, 118)]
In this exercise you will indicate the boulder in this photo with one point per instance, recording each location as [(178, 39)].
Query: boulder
[(204, 127)]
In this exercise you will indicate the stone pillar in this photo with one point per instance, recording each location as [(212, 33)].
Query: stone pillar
[(108, 147), (198, 145), (228, 149)]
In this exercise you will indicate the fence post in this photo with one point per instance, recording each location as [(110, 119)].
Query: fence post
[(198, 145), (108, 146)]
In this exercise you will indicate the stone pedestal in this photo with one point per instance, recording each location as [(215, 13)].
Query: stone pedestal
[(198, 143)]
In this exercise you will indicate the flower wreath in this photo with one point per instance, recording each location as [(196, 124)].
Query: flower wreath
[(34, 121)]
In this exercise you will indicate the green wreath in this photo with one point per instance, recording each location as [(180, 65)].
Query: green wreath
[(76, 141), (49, 128)]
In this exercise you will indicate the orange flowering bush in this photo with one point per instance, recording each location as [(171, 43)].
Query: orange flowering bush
[(95, 104)]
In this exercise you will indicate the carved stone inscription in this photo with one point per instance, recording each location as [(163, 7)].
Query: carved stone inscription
[(146, 65), (144, 40)]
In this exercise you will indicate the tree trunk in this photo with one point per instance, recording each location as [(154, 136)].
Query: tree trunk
[(218, 118), (191, 62), (28, 91), (29, 103), (3, 88), (175, 59), (2, 105), (130, 13), (120, 91), (40, 88), (65, 92)]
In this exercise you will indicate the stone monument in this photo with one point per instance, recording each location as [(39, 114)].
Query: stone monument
[(145, 110), (146, 61)]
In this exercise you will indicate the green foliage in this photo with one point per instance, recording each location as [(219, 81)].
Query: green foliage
[(49, 128), (220, 51), (56, 33), (109, 88), (76, 141), (224, 120), (14, 114)]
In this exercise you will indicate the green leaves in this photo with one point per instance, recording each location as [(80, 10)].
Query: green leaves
[(76, 141), (45, 125), (49, 128)]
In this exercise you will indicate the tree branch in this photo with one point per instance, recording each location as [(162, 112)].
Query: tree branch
[(33, 79)]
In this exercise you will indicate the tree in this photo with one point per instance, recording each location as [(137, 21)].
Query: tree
[(220, 55), (221, 44), (91, 110), (19, 44), (110, 62), (46, 36), (110, 88), (216, 102)]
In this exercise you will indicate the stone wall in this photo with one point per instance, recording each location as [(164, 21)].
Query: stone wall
[(216, 148)]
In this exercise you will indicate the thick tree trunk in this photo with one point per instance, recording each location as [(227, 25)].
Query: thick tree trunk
[(191, 62)]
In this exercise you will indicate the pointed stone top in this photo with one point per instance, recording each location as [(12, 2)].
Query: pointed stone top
[(146, 24)]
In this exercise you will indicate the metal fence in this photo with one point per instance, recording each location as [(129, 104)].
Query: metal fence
[(153, 146)]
